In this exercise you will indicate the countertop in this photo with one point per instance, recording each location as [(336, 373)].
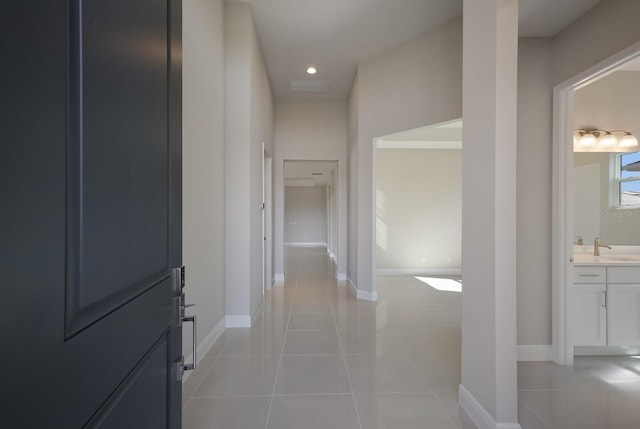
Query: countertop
[(622, 256)]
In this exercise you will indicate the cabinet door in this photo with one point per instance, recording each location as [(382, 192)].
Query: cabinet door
[(624, 315), (589, 315)]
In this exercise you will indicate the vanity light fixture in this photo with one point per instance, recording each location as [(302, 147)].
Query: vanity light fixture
[(628, 140), (311, 70), (603, 140)]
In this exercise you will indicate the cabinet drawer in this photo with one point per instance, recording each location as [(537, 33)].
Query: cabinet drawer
[(623, 274), (589, 274)]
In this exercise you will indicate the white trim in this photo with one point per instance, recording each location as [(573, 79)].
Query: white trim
[(238, 321), (562, 210), (535, 353), (367, 295), (606, 351), (305, 244), (341, 277), (478, 414), (419, 271), (560, 260), (203, 348), (418, 144)]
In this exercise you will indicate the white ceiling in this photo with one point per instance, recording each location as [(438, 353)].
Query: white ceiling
[(336, 35)]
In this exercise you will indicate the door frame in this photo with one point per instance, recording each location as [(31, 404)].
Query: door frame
[(562, 205), (280, 216), (267, 198)]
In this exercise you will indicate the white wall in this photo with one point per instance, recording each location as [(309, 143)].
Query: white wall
[(262, 131), (488, 390), (416, 84), (248, 123), (534, 191), (203, 167), (610, 103), (314, 131), (418, 210), (305, 215), (609, 27)]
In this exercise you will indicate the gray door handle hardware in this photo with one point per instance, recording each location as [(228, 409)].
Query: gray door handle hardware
[(191, 366), (589, 275), (604, 295)]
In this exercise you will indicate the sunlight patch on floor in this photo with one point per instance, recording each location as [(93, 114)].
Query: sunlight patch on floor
[(446, 285)]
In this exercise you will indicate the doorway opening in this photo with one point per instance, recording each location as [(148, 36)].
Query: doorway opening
[(568, 221), (311, 207), (267, 220), (418, 202)]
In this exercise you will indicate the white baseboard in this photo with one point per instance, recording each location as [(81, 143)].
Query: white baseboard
[(238, 321), (367, 295), (478, 414), (203, 348), (535, 353), (279, 279), (419, 271), (305, 244), (342, 277), (606, 351)]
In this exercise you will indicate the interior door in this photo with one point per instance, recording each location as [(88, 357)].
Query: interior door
[(90, 218)]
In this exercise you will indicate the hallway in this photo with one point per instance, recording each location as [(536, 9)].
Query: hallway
[(318, 358)]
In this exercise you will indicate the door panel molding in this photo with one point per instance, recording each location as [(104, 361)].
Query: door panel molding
[(155, 357), (105, 172)]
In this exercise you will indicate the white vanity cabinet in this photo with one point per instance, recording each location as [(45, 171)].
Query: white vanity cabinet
[(623, 296), (589, 306)]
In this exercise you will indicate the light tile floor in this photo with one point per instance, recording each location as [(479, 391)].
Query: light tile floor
[(319, 358), (594, 393)]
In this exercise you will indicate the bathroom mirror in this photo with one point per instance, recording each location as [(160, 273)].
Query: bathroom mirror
[(610, 103), (597, 212)]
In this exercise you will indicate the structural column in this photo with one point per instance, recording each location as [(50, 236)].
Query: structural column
[(488, 393)]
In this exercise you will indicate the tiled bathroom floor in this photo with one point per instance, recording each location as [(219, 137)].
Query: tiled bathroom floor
[(319, 358)]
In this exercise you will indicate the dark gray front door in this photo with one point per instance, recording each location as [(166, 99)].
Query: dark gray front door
[(90, 224)]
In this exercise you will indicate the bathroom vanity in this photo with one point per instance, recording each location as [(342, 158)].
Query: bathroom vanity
[(606, 298)]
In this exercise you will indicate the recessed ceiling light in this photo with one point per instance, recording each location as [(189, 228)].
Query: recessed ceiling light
[(311, 70)]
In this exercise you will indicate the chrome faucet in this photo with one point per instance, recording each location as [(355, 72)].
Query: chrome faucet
[(597, 246)]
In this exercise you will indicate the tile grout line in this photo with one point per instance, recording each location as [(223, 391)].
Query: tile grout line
[(532, 411), (284, 342), (344, 359), (195, 389), (433, 392)]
